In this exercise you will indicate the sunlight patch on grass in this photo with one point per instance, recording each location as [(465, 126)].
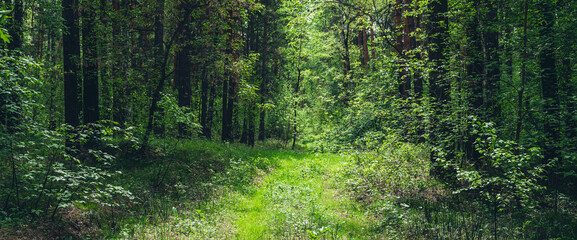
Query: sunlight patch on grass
[(300, 199)]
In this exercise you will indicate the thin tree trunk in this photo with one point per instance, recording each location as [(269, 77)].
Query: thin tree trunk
[(373, 45), (118, 82), (549, 82), (417, 80), (244, 135), (404, 84), (439, 88), (210, 111), (229, 89), (297, 90), (251, 124), (520, 100), (225, 134), (264, 80), (17, 25), (204, 89), (492, 71), (159, 64), (365, 48), (182, 73)]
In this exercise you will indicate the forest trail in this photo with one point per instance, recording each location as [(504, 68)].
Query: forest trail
[(299, 199)]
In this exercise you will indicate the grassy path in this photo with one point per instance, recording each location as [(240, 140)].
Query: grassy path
[(298, 200)]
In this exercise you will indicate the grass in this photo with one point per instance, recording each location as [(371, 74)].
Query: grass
[(299, 200), (205, 190), (195, 189), (292, 195)]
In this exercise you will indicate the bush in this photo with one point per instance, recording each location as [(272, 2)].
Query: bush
[(39, 173)]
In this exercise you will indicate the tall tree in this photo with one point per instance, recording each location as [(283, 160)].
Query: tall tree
[(231, 83), (492, 71), (90, 88), (119, 67), (17, 25), (264, 76), (345, 21), (521, 91), (438, 34), (71, 58), (483, 69), (182, 68), (549, 80)]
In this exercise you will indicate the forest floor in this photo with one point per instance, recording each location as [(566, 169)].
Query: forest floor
[(299, 198), (198, 189)]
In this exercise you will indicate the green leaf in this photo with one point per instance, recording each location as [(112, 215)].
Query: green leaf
[(5, 37)]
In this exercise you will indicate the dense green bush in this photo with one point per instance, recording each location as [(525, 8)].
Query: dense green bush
[(40, 172)]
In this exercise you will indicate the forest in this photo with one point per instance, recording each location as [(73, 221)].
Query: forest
[(288, 119)]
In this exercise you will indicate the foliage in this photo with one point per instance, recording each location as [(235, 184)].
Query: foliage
[(505, 174), (393, 168), (3, 32), (175, 117), (41, 174)]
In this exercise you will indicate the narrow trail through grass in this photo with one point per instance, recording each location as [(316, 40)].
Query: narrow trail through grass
[(299, 199), (267, 194)]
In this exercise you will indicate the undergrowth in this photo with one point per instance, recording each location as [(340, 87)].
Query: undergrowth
[(197, 189), (394, 185), (179, 185)]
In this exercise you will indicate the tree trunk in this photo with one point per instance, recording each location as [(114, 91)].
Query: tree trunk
[(251, 124), (439, 87), (90, 65), (417, 80), (16, 27), (244, 135), (400, 44), (71, 58), (492, 72), (365, 48), (159, 65), (264, 79), (297, 90), (210, 111), (119, 82), (520, 107), (182, 72), (205, 93), (549, 82), (345, 34), (226, 125), (373, 45), (229, 88)]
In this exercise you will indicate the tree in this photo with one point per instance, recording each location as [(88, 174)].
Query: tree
[(437, 33), (230, 86), (549, 81), (71, 59), (264, 74), (16, 26), (90, 86), (182, 68)]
